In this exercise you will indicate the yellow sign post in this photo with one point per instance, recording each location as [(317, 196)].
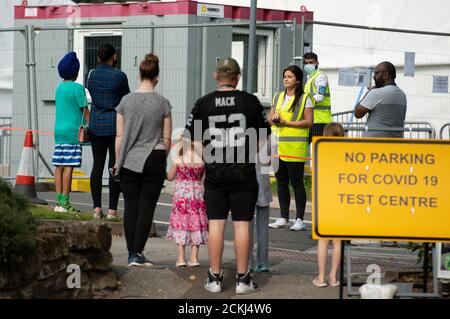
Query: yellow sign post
[(382, 189)]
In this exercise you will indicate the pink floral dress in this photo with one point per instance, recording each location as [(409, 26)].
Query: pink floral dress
[(188, 223)]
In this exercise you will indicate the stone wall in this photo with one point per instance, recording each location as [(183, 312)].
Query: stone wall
[(45, 273)]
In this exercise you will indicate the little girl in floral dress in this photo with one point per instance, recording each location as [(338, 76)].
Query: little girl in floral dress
[(188, 224)]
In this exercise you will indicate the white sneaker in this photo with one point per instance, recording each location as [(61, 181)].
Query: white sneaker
[(60, 209), (298, 225), (214, 283), (280, 223), (246, 285)]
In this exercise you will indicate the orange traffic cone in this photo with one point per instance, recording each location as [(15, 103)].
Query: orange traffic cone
[(25, 178)]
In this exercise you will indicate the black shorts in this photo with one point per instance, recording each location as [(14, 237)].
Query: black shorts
[(241, 204)]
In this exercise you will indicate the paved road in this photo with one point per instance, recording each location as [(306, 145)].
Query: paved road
[(279, 238), (287, 242), (292, 261)]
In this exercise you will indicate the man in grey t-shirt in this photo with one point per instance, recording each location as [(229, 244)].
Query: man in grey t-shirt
[(385, 103)]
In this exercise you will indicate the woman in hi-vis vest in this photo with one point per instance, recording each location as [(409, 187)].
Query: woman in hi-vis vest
[(291, 117)]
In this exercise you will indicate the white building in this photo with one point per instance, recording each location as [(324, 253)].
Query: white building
[(351, 48)]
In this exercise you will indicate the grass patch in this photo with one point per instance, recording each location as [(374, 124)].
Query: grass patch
[(46, 212), (114, 220)]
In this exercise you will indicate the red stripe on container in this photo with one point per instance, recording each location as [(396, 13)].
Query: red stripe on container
[(152, 9)]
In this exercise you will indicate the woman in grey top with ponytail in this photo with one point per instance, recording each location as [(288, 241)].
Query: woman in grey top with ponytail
[(144, 126)]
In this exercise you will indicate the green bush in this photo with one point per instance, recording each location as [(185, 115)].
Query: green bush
[(307, 179), (420, 249), (17, 224)]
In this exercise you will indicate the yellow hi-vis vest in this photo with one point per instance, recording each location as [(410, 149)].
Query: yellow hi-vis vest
[(322, 110), (292, 141)]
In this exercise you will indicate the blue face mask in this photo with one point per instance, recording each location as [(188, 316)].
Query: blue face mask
[(310, 68)]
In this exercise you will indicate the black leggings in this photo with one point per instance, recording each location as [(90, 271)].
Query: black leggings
[(100, 146), (141, 192), (291, 172)]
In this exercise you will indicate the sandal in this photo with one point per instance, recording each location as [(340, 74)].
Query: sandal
[(193, 263), (319, 284), (180, 264), (334, 284), (98, 214), (114, 215)]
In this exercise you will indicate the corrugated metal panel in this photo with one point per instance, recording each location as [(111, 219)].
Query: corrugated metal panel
[(181, 54)]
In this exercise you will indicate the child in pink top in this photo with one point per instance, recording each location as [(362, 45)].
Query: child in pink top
[(188, 224)]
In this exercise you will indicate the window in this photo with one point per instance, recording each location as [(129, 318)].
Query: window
[(263, 75), (86, 43)]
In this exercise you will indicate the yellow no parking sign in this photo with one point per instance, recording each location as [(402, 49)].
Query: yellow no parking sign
[(382, 189)]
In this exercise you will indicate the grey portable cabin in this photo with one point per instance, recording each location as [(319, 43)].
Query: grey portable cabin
[(188, 54)]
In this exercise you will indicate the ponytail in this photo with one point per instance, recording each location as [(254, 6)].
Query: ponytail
[(149, 67)]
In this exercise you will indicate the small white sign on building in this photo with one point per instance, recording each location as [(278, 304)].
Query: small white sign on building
[(31, 12), (210, 10), (346, 77), (363, 77), (440, 84), (354, 77), (410, 64)]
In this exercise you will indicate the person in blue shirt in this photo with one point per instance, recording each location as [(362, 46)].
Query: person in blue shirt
[(107, 85), (71, 104)]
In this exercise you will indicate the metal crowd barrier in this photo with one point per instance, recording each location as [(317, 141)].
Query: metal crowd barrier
[(411, 130), (442, 130), (355, 127), (348, 117), (5, 146)]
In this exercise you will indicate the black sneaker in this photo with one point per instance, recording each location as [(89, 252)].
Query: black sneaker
[(132, 259), (138, 260), (245, 284), (214, 282), (144, 261)]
